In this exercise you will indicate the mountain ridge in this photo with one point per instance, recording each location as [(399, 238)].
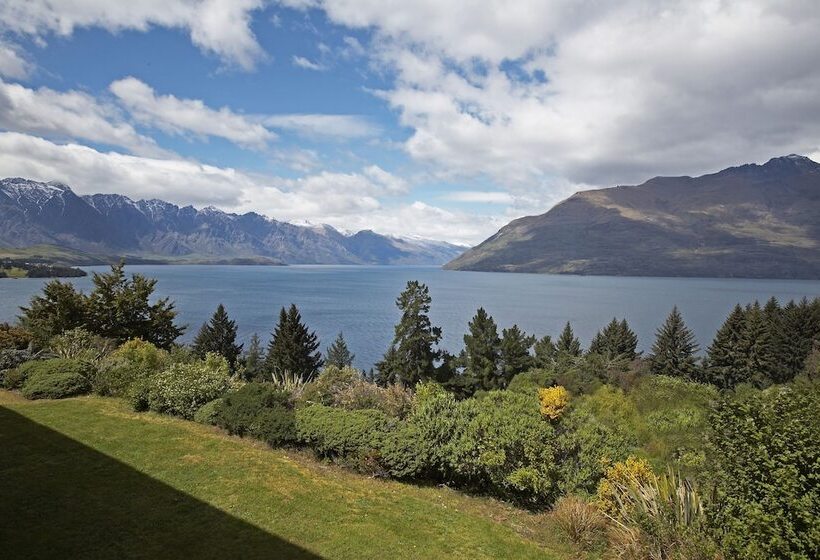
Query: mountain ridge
[(757, 221), (37, 213)]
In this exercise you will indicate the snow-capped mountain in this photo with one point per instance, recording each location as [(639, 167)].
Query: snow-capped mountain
[(33, 213)]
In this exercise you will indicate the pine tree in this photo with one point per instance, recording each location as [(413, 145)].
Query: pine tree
[(254, 361), (725, 363), (545, 352), (515, 354), (773, 315), (756, 346), (674, 350), (293, 348), (218, 336), (482, 350), (615, 341), (567, 345), (338, 354), (413, 354)]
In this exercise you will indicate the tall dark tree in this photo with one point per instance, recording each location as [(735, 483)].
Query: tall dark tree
[(725, 364), (674, 350), (801, 327), (757, 346), (293, 348), (515, 354), (413, 354), (615, 341), (482, 350), (338, 354), (545, 352), (59, 308), (218, 336), (568, 345), (253, 361)]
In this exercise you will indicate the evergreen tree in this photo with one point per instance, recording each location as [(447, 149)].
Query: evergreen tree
[(674, 350), (801, 327), (757, 348), (567, 345), (413, 354), (60, 308), (218, 336), (293, 348), (615, 341), (515, 354), (482, 350), (725, 363), (338, 353), (545, 352), (254, 361)]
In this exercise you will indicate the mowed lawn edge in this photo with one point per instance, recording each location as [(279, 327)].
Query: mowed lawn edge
[(154, 486)]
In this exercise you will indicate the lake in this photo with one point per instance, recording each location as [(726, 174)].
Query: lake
[(360, 300)]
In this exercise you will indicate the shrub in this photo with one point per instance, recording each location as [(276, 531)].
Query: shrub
[(183, 388), (328, 384), (580, 520), (345, 388), (58, 385), (79, 344), (553, 401), (11, 359), (135, 359), (353, 437), (237, 410), (17, 378), (208, 413), (765, 451), (276, 426), (14, 338), (619, 479), (532, 380)]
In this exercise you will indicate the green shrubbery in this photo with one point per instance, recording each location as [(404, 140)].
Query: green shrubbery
[(54, 379), (182, 388), (345, 388), (260, 410), (133, 361)]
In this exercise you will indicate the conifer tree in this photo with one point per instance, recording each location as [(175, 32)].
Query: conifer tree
[(218, 336), (568, 345), (254, 360), (413, 354), (293, 348), (725, 364), (545, 352), (482, 350), (674, 350), (757, 348), (338, 354), (515, 354), (616, 340)]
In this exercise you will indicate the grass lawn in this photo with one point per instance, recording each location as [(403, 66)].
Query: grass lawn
[(88, 478)]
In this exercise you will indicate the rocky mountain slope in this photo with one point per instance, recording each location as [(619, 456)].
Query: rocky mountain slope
[(34, 213), (756, 221)]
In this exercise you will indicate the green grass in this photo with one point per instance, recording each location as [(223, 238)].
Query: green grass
[(87, 477), (15, 272)]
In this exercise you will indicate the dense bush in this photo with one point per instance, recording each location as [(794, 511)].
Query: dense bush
[(16, 378), (55, 379), (765, 452), (238, 410), (532, 380), (183, 388), (553, 401), (79, 344), (134, 360), (353, 437), (276, 426), (208, 413), (14, 338), (10, 359), (345, 388)]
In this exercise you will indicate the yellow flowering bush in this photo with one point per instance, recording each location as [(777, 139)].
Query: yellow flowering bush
[(553, 401), (619, 478)]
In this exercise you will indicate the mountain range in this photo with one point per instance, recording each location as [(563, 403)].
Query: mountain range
[(35, 214), (753, 221)]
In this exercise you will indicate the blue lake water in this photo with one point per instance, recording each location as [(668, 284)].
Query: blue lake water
[(360, 300)]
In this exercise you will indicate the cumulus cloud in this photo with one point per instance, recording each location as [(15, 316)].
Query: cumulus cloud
[(308, 64), (13, 63), (188, 116), (540, 93), (220, 27), (70, 114), (489, 197), (358, 200), (317, 125)]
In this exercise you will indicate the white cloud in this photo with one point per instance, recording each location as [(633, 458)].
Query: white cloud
[(339, 126), (536, 94), (308, 64), (184, 116), (221, 27), (352, 201), (490, 197), (71, 114), (13, 63)]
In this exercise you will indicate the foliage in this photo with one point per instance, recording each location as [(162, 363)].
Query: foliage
[(218, 336), (133, 360), (14, 338), (293, 348), (275, 426), (393, 400), (413, 354), (545, 352), (673, 352), (238, 409), (253, 362), (79, 344), (482, 352), (182, 388), (531, 381), (208, 413), (553, 401), (328, 384), (59, 308), (353, 437), (10, 359), (765, 452), (567, 346), (57, 378), (338, 354), (515, 354), (616, 340), (618, 481), (580, 520), (724, 362)]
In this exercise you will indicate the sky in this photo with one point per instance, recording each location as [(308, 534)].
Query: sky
[(425, 118)]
